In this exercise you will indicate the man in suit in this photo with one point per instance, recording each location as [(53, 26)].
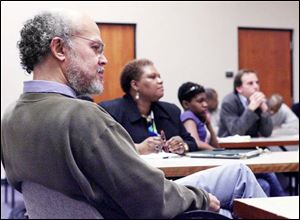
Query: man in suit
[(245, 112)]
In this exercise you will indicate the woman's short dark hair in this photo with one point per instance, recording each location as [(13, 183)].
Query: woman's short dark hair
[(36, 36), (238, 78), (133, 71), (189, 90)]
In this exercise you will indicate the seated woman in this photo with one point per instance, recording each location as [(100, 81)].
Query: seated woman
[(193, 99), (195, 118), (151, 123)]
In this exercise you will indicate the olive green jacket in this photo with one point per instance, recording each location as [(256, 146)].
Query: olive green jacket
[(75, 147)]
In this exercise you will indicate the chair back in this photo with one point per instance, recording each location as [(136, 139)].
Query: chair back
[(200, 214), (44, 203)]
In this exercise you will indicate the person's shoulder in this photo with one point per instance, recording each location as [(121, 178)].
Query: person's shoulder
[(75, 106), (73, 110), (111, 103), (168, 106), (86, 115), (287, 111), (285, 106), (8, 111), (114, 107), (230, 97), (187, 115), (80, 106)]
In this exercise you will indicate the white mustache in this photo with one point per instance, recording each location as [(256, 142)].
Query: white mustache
[(100, 70)]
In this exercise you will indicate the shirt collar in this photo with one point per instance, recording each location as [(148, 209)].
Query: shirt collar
[(244, 100), (43, 86)]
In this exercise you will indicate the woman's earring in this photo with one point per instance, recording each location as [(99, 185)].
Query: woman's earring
[(137, 95)]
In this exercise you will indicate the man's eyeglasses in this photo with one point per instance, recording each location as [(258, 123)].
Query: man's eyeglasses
[(100, 45)]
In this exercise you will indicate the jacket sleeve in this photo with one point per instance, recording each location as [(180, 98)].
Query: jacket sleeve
[(235, 123), (113, 175), (265, 125)]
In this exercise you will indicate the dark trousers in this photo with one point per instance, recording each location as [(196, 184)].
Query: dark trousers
[(270, 184)]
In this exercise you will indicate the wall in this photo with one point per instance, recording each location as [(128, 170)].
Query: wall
[(195, 41)]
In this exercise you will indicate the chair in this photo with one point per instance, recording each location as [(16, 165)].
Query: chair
[(200, 214), (45, 203)]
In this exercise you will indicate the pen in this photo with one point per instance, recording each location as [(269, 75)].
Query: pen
[(164, 139)]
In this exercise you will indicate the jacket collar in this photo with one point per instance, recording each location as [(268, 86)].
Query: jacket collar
[(241, 101), (134, 115)]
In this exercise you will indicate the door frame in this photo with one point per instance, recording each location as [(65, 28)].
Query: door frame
[(291, 48), (115, 23), (112, 93)]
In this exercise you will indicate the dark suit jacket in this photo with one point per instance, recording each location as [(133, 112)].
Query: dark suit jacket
[(166, 117), (235, 119), (295, 108)]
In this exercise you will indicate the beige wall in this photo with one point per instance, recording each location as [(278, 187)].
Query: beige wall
[(195, 41)]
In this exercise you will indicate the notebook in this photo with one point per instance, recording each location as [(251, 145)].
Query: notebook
[(227, 153)]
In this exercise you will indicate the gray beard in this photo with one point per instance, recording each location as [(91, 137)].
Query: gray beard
[(80, 82)]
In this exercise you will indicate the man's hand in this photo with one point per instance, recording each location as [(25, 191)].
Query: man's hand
[(214, 204), (264, 107), (257, 99)]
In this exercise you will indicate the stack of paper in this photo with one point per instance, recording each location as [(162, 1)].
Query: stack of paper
[(235, 138), (160, 155)]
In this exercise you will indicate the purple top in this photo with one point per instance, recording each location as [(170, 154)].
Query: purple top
[(48, 87), (200, 125)]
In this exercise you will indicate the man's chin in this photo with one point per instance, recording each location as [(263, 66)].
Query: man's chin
[(98, 92), (97, 88)]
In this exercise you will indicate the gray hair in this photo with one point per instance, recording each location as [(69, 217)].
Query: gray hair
[(36, 36)]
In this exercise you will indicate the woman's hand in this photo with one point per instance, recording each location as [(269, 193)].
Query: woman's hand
[(150, 145), (176, 145)]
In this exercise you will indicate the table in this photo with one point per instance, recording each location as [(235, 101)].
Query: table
[(267, 162), (244, 142), (267, 208)]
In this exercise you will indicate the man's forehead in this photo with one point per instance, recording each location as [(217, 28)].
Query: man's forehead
[(249, 77), (88, 27), (82, 23)]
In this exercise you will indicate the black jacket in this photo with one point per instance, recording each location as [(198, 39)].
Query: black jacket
[(166, 117)]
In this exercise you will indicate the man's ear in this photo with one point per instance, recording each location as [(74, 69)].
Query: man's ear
[(239, 89), (57, 48)]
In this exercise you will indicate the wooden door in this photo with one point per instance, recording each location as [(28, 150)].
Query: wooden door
[(269, 53), (119, 40)]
